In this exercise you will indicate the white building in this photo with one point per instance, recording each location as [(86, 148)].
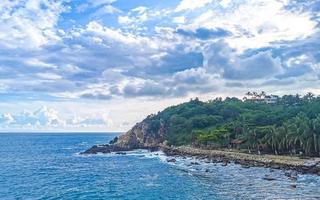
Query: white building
[(271, 99)]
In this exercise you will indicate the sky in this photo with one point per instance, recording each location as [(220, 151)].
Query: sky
[(104, 65)]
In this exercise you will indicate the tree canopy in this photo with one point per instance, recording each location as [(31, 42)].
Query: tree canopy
[(289, 125)]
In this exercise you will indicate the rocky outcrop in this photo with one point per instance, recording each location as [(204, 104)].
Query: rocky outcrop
[(141, 136), (302, 165)]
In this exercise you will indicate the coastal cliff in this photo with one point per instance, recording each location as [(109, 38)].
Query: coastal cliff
[(141, 136)]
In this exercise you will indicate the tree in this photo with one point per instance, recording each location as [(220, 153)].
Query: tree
[(272, 139), (309, 96), (315, 127), (263, 94)]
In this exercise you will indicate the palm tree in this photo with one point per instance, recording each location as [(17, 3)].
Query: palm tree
[(249, 94), (251, 139), (303, 134), (309, 96), (315, 128), (272, 139), (263, 94)]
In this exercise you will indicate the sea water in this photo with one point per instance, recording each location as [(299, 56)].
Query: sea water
[(48, 166)]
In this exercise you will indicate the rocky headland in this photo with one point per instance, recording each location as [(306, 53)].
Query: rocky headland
[(139, 137)]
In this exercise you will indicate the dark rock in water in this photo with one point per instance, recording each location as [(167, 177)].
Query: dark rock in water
[(172, 160), (104, 149), (269, 178), (294, 186), (274, 166), (294, 178), (194, 163), (288, 174), (98, 149), (245, 166), (207, 171), (121, 153)]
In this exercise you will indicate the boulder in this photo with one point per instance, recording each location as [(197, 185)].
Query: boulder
[(269, 178), (171, 160)]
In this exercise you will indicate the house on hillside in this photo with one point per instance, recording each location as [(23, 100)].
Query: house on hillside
[(262, 98), (271, 99)]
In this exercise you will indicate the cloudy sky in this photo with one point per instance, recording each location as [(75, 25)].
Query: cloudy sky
[(104, 65)]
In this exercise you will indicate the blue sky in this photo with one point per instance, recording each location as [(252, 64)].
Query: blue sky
[(104, 65)]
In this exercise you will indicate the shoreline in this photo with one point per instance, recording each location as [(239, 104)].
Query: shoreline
[(282, 162), (300, 165)]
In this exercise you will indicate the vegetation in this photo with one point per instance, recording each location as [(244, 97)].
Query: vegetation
[(289, 125)]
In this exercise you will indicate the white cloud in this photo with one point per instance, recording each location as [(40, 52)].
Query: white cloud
[(219, 58), (257, 24), (34, 62), (124, 20), (6, 118), (29, 24), (225, 3), (192, 76), (179, 20), (107, 9), (110, 34), (49, 76), (46, 118), (191, 4)]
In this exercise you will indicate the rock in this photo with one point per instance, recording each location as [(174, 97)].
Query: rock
[(121, 153), (310, 163), (288, 174), (294, 186), (294, 178), (269, 178), (140, 137), (114, 140), (194, 163), (245, 166), (171, 160), (274, 166), (207, 171), (98, 149)]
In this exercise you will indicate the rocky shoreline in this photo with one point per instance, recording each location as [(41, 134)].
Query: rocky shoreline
[(300, 165)]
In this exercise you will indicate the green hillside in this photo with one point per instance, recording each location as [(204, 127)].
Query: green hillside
[(291, 124)]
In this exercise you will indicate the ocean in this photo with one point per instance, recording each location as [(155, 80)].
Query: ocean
[(48, 166)]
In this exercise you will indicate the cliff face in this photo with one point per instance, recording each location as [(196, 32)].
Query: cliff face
[(141, 136)]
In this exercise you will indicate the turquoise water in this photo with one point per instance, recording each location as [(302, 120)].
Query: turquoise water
[(47, 166)]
